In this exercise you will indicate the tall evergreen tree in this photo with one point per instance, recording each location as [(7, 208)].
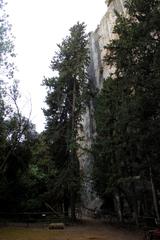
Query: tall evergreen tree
[(66, 98), (128, 110)]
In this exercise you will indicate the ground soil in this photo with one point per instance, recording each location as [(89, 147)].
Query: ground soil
[(88, 230)]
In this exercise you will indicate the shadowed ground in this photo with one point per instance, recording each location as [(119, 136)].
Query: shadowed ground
[(89, 230)]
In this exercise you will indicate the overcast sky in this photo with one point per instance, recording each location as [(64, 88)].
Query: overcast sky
[(38, 25)]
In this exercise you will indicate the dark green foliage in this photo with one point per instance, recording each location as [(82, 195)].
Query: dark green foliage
[(17, 134), (17, 158), (14, 166), (128, 108), (66, 99), (39, 178)]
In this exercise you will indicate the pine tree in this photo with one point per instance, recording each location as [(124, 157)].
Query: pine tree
[(66, 99)]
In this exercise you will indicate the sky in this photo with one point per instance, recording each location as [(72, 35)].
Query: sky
[(38, 26)]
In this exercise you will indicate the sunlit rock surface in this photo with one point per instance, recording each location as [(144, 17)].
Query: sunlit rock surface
[(98, 71)]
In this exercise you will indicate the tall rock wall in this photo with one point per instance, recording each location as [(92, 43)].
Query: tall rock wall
[(98, 71), (100, 38)]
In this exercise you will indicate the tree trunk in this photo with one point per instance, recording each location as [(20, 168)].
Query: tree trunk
[(154, 195), (66, 204), (72, 151), (118, 206), (135, 204), (73, 207)]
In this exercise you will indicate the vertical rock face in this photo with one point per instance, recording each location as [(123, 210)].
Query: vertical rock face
[(98, 71), (104, 34)]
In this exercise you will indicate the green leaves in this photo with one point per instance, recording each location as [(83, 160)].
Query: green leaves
[(127, 108)]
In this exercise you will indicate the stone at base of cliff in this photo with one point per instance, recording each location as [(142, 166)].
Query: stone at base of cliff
[(53, 226)]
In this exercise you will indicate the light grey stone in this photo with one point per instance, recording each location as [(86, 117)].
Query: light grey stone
[(98, 71)]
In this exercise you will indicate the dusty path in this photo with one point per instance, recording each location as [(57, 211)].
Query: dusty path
[(90, 230)]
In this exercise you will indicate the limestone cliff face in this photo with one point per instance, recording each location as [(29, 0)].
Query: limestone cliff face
[(98, 71)]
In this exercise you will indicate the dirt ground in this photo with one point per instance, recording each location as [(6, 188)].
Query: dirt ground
[(89, 230)]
